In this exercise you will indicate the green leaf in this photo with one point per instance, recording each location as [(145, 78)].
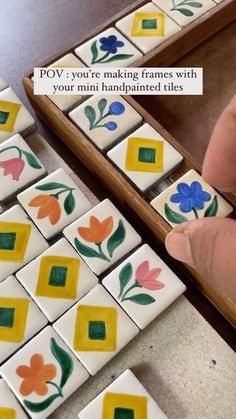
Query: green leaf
[(69, 203), (101, 106), (65, 361), (212, 210), (90, 115), (193, 4), (89, 252), (124, 277), (31, 160), (118, 57), (39, 407), (94, 51), (117, 238), (142, 299), (51, 186), (185, 12), (173, 216)]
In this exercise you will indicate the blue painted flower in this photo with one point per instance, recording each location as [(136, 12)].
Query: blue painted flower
[(116, 108), (190, 197), (110, 44), (111, 126)]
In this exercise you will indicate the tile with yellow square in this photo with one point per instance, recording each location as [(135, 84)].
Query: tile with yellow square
[(9, 406), (125, 398), (14, 117), (20, 318), (145, 157), (96, 329), (57, 279), (20, 241), (147, 27)]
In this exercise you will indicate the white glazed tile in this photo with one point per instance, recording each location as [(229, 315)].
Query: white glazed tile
[(57, 364), (119, 118), (125, 398), (218, 1), (3, 84), (54, 299), (20, 241), (14, 116), (121, 46), (9, 406), (143, 173), (184, 14), (158, 27), (144, 286), (189, 202), (102, 236), (96, 329), (19, 166), (66, 102), (54, 202), (20, 318)]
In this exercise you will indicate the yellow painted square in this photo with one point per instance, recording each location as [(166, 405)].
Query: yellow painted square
[(13, 110), (22, 238), (113, 401), (85, 314), (44, 289), (137, 29), (7, 413), (15, 333), (132, 155)]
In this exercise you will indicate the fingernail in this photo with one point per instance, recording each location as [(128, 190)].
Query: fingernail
[(178, 246)]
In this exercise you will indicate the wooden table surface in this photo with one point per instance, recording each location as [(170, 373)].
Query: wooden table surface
[(32, 31)]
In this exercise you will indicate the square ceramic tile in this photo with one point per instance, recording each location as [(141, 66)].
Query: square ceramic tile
[(96, 329), (3, 84), (43, 374), (184, 11), (20, 241), (102, 236), (145, 157), (9, 406), (19, 166), (144, 286), (108, 49), (125, 398), (218, 1), (14, 117), (66, 102), (147, 27), (106, 119), (20, 318), (54, 202), (189, 198), (57, 279)]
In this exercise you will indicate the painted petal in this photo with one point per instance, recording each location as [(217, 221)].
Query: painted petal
[(87, 234), (142, 272), (107, 227), (38, 200), (119, 44), (55, 213), (40, 388), (197, 203), (23, 371), (105, 48), (204, 196), (184, 189), (195, 188), (49, 371), (112, 39), (103, 40), (94, 223), (177, 198), (45, 210), (186, 205), (153, 285), (153, 274), (36, 362), (113, 49), (27, 387)]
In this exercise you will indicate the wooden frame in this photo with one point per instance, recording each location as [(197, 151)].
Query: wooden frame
[(115, 182)]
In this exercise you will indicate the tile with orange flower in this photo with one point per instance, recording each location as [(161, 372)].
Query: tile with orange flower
[(102, 236), (54, 202), (43, 374), (144, 286), (9, 406)]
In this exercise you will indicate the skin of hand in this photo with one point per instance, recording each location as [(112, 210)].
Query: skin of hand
[(209, 245)]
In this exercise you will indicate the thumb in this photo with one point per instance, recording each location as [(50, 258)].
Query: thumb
[(209, 245)]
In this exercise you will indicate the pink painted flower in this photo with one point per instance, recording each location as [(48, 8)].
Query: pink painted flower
[(148, 277), (13, 167)]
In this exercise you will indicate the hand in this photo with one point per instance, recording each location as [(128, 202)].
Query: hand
[(209, 245)]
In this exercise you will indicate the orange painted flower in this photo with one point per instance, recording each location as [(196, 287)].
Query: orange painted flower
[(97, 231), (35, 376), (49, 207)]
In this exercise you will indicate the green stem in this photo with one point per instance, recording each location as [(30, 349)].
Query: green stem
[(56, 195), (12, 147), (101, 253), (95, 125), (135, 285), (57, 387), (101, 59), (195, 213)]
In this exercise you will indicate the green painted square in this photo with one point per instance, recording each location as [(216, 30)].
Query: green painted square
[(121, 413), (147, 155), (58, 276), (4, 117), (149, 24), (7, 241), (7, 317), (97, 330)]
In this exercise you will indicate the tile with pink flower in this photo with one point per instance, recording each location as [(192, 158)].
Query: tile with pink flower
[(144, 286), (9, 406), (54, 202), (43, 374), (19, 167)]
